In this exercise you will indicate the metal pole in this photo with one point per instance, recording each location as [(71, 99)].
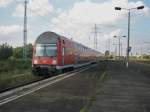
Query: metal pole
[(109, 45), (128, 41), (119, 47), (95, 37), (141, 51), (25, 31), (116, 50)]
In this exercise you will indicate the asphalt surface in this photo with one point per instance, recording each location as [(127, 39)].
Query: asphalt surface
[(126, 90), (111, 88)]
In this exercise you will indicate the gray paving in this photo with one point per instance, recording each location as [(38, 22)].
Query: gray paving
[(126, 90)]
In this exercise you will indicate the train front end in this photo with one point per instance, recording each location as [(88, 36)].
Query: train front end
[(45, 54)]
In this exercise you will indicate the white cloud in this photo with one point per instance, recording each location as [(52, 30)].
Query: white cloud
[(4, 3), (80, 19), (35, 8), (8, 30), (11, 34), (90, 12), (58, 11), (112, 34)]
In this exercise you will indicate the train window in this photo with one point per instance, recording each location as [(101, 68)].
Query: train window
[(39, 51), (51, 51), (63, 52), (48, 50)]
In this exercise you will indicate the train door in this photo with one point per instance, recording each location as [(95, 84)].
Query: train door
[(76, 54), (63, 55)]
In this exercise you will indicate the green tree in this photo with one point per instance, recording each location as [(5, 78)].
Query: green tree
[(29, 50), (146, 56), (6, 51), (18, 52)]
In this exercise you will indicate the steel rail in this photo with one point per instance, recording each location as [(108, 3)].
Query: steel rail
[(14, 94)]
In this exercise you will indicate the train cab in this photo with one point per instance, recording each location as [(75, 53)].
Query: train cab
[(45, 54)]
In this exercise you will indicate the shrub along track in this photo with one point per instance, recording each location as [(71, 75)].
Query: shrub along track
[(14, 73), (18, 81)]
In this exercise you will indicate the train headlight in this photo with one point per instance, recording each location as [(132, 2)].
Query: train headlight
[(35, 61), (54, 62)]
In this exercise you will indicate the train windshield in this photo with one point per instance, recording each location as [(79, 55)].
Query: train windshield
[(47, 50)]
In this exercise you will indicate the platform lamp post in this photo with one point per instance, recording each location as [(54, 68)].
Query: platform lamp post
[(119, 43), (115, 50), (128, 40)]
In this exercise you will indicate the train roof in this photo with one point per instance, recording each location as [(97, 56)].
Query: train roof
[(51, 37), (47, 37)]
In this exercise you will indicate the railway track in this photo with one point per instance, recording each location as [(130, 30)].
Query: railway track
[(16, 93), (19, 85)]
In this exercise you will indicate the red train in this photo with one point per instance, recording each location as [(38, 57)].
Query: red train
[(54, 53)]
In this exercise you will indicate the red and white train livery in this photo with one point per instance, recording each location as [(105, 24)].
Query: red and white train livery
[(53, 53)]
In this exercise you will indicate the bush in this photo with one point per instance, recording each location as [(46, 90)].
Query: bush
[(12, 65), (146, 57), (18, 52), (6, 51)]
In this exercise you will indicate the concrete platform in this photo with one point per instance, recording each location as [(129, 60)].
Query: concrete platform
[(126, 90)]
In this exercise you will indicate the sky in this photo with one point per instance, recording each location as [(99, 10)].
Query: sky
[(76, 19)]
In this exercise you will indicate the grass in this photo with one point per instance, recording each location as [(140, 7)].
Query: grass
[(100, 77), (14, 66), (84, 109), (16, 81), (92, 98), (15, 72)]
